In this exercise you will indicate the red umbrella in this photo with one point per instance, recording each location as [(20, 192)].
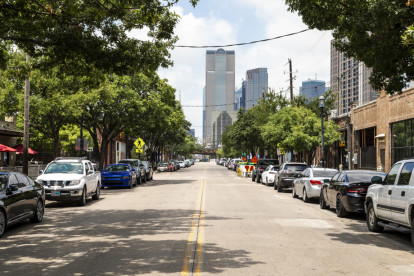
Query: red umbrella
[(4, 148), (19, 149)]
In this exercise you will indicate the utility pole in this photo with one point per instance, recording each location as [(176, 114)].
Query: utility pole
[(291, 79), (26, 121)]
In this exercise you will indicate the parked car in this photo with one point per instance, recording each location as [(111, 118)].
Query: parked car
[(163, 167), (149, 171), (309, 184), (287, 173), (119, 175), (268, 175), (139, 168), (70, 179), (182, 164), (187, 163), (261, 166), (21, 198), (346, 191), (235, 164), (390, 201)]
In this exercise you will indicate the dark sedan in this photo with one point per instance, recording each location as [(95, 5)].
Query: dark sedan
[(20, 198), (118, 175), (346, 191)]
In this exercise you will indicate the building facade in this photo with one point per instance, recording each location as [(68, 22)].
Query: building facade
[(219, 95), (256, 86), (312, 89), (350, 80), (240, 97)]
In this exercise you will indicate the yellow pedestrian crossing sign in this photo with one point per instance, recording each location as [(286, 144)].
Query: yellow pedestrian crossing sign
[(139, 143), (138, 150)]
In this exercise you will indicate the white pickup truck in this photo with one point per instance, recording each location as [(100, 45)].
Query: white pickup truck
[(73, 179), (389, 202)]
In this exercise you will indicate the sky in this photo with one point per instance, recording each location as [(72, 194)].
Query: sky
[(219, 22)]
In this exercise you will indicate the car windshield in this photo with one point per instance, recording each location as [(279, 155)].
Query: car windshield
[(275, 169), (324, 173), (296, 167), (164, 165), (117, 168), (355, 177), (3, 181), (63, 167)]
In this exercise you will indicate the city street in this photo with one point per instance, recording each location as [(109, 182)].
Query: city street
[(200, 220)]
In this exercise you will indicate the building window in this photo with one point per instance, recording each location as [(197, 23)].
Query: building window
[(402, 140)]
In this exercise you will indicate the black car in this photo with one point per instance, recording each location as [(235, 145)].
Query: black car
[(139, 169), (148, 169), (20, 198), (261, 165), (346, 191), (287, 173)]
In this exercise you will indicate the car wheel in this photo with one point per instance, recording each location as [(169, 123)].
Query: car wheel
[(97, 192), (305, 196), (82, 200), (294, 194), (340, 209), (258, 178), (3, 223), (279, 187), (253, 176), (144, 179), (139, 179), (274, 184), (152, 175), (39, 212), (372, 221), (130, 183), (322, 202)]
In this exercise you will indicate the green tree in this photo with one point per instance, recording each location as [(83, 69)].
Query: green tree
[(92, 33), (298, 129), (370, 31)]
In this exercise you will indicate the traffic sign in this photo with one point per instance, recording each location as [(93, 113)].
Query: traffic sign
[(138, 150), (254, 160), (139, 143)]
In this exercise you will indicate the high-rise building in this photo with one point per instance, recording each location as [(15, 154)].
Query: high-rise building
[(312, 89), (256, 86), (350, 79), (219, 95), (240, 97), (191, 132)]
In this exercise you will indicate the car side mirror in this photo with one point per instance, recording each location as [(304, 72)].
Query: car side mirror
[(91, 171), (376, 180), (132, 170), (12, 188), (40, 171)]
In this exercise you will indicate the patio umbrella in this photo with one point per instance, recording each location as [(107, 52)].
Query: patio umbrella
[(19, 149), (4, 148)]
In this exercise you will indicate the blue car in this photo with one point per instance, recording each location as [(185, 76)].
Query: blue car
[(119, 175)]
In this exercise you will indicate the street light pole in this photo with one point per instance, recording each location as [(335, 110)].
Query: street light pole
[(322, 105)]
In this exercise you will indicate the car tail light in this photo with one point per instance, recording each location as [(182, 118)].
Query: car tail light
[(356, 190), (261, 169), (315, 182)]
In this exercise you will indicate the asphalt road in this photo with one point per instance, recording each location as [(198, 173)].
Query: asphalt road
[(200, 220)]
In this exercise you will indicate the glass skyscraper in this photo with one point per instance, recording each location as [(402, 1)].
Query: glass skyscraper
[(312, 89), (219, 95), (256, 86)]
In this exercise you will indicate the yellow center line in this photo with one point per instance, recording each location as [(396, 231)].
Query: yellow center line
[(193, 253)]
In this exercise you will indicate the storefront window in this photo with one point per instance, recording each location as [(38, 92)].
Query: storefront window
[(402, 140)]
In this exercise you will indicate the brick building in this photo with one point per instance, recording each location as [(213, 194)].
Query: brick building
[(382, 131)]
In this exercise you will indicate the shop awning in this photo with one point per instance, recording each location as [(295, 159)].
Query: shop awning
[(380, 136)]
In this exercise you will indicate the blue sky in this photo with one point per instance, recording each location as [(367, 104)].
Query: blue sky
[(214, 22)]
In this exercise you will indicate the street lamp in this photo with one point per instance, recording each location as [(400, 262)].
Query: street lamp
[(321, 106)]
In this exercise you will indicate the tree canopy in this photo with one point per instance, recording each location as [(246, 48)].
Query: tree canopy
[(370, 31)]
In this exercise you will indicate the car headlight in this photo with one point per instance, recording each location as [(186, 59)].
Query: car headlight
[(74, 183), (125, 177)]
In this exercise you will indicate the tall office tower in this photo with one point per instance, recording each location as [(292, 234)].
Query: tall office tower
[(312, 89), (240, 97), (256, 86), (219, 98), (350, 79), (204, 115)]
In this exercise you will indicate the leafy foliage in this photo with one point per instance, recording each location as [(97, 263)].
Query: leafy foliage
[(369, 31)]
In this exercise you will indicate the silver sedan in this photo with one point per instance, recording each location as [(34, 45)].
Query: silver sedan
[(309, 184)]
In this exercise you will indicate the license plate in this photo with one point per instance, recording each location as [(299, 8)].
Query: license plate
[(55, 193)]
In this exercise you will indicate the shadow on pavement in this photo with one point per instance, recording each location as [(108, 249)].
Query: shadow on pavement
[(112, 242)]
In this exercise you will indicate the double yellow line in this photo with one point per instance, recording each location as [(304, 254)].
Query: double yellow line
[(192, 260)]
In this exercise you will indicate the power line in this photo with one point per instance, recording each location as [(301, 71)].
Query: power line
[(243, 43)]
